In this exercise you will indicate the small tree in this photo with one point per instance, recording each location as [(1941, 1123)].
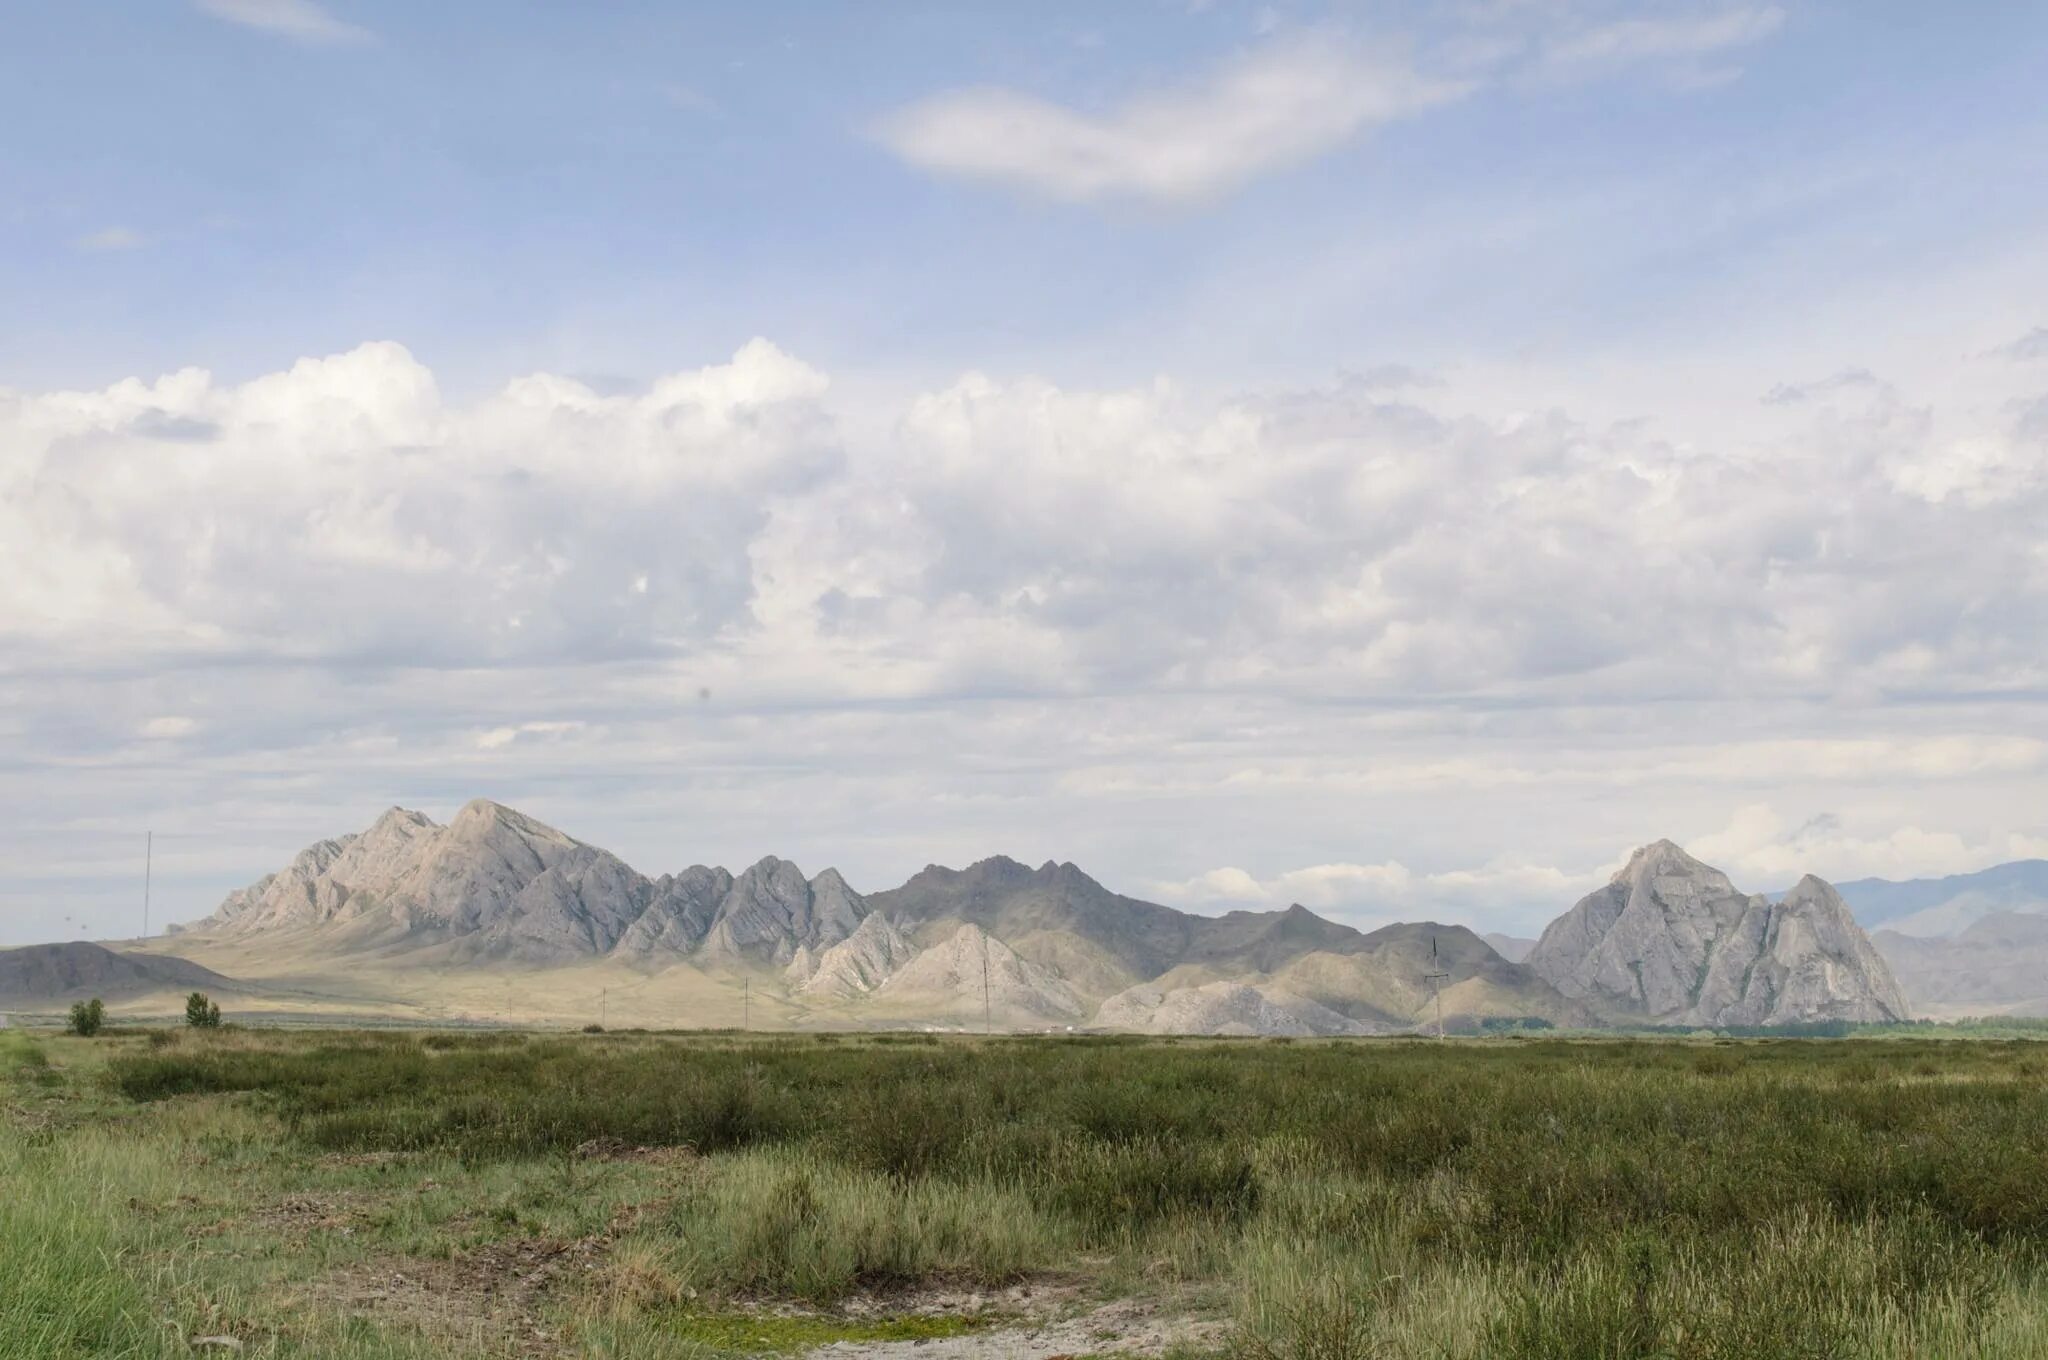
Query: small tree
[(88, 1017), (201, 1013)]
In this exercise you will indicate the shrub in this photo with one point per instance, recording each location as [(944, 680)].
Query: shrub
[(88, 1017), (201, 1013)]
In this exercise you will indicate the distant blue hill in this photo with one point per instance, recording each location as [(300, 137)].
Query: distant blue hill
[(1948, 906)]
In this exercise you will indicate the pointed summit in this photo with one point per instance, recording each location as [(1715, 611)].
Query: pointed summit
[(972, 974), (772, 911), (481, 818), (1664, 859), (1670, 940)]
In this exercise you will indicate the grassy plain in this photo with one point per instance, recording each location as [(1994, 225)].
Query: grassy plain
[(495, 1195)]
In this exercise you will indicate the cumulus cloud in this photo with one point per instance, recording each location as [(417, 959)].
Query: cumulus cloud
[(341, 510), (298, 20), (1011, 534), (1289, 101), (1166, 630)]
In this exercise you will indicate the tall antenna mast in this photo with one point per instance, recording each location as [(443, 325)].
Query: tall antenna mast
[(148, 863), (1436, 980)]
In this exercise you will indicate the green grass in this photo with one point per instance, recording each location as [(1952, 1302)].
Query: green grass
[(1685, 1200)]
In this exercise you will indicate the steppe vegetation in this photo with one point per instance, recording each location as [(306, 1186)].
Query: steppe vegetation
[(407, 1195)]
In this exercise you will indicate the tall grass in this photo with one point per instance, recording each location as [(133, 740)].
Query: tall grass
[(1525, 1198)]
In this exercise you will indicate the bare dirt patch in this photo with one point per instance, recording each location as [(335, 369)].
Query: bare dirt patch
[(1143, 1327), (619, 1150), (491, 1293)]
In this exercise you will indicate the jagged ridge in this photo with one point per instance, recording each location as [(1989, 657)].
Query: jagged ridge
[(1671, 941), (496, 884)]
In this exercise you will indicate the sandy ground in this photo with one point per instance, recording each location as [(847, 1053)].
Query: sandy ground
[(1125, 1327)]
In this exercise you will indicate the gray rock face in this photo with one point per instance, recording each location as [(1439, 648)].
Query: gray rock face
[(1671, 941), (1221, 1008), (970, 969), (678, 914), (1101, 942), (771, 911), (854, 967), (496, 884)]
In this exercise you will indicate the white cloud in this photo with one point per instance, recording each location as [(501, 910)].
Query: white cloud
[(1662, 37), (1154, 630), (342, 510), (300, 20), (1367, 894), (1762, 848), (497, 738), (1287, 102), (111, 239), (1011, 534)]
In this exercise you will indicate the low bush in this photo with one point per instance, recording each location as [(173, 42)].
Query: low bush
[(87, 1018)]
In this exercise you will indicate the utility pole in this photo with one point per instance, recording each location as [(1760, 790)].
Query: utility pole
[(604, 1006), (746, 1004), (988, 1014), (148, 863), (1436, 981)]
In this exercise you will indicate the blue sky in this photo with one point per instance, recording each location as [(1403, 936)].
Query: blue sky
[(1257, 451), (508, 186)]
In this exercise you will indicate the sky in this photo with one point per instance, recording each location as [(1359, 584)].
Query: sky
[(1391, 457)]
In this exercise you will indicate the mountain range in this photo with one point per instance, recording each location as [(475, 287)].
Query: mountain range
[(1967, 944), (497, 914)]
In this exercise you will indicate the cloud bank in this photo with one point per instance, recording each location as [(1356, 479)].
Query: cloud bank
[(1013, 535), (1360, 645)]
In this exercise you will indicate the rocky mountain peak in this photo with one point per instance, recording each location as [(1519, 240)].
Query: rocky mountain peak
[(1670, 940), (495, 883), (1668, 859), (482, 819)]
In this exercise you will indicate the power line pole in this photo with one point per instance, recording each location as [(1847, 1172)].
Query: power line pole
[(148, 863), (1436, 981), (988, 1013), (604, 1005), (746, 1004)]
